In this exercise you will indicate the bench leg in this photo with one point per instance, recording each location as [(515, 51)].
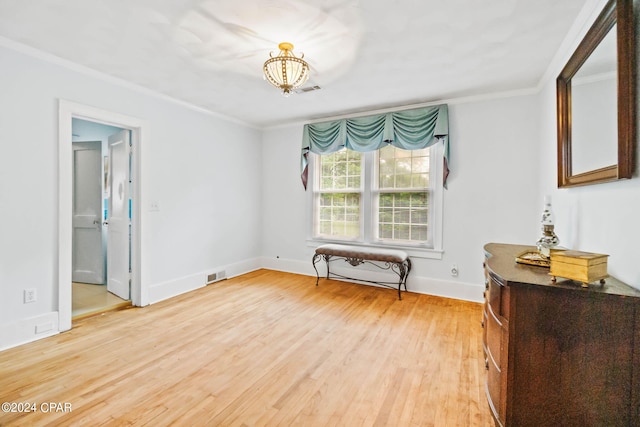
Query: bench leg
[(406, 274), (315, 259), (402, 269), (403, 274), (326, 260)]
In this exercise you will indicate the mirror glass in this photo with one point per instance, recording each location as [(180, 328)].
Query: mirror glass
[(594, 110), (596, 102)]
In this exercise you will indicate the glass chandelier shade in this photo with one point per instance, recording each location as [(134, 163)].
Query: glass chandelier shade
[(285, 70)]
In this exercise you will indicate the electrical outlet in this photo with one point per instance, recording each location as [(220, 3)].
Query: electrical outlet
[(154, 206), (454, 270), (30, 295)]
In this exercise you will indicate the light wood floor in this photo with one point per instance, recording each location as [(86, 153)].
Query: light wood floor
[(88, 300), (263, 349)]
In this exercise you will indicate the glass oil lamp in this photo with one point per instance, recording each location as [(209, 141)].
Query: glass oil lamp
[(549, 239)]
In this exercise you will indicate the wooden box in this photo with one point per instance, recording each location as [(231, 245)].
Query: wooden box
[(585, 267)]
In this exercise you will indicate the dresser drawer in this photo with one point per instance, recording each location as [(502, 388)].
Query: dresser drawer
[(497, 296), (494, 337), (494, 295), (494, 390)]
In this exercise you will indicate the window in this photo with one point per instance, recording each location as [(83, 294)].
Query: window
[(339, 195), (403, 195), (386, 197)]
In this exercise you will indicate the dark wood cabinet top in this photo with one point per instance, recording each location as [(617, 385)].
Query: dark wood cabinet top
[(502, 263)]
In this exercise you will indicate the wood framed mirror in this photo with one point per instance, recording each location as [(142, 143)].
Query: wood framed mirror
[(596, 102)]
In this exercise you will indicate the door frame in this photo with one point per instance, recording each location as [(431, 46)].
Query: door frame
[(68, 110)]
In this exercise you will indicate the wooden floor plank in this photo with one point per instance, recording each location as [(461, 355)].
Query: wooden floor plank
[(263, 349)]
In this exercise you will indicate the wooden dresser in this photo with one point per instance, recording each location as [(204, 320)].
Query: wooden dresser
[(558, 354)]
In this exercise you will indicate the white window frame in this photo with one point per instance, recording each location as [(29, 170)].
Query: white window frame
[(432, 249), (315, 190)]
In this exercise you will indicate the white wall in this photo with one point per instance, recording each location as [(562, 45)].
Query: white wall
[(491, 197), (204, 223), (600, 218)]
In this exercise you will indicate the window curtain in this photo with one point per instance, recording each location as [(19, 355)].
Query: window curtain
[(408, 129)]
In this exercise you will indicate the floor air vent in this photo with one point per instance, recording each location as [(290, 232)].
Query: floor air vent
[(215, 277)]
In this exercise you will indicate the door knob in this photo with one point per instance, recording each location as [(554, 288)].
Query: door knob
[(105, 223)]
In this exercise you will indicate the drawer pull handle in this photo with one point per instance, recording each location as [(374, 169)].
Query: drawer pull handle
[(486, 364), (482, 323)]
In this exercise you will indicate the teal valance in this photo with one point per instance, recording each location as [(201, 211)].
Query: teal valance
[(408, 129)]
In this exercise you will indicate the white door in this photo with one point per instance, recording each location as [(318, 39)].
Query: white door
[(87, 250), (118, 216)]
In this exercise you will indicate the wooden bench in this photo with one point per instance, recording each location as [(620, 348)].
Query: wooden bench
[(385, 259)]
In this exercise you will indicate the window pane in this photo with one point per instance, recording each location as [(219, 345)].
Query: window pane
[(419, 180), (353, 199), (340, 170), (401, 232), (386, 231), (402, 199), (419, 232), (325, 227), (339, 156), (419, 199), (325, 214), (403, 166), (353, 168), (400, 153), (387, 152), (418, 216), (399, 168), (387, 181), (420, 164), (403, 216), (386, 200), (385, 215), (339, 215)]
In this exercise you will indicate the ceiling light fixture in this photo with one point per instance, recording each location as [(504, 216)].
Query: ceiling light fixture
[(286, 71)]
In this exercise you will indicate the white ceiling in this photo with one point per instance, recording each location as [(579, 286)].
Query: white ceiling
[(364, 54)]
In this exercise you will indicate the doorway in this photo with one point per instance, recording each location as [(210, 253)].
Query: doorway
[(97, 286), (128, 206)]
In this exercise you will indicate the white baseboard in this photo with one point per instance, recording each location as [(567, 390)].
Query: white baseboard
[(30, 329), (446, 288), (289, 266), (422, 285), (171, 288)]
